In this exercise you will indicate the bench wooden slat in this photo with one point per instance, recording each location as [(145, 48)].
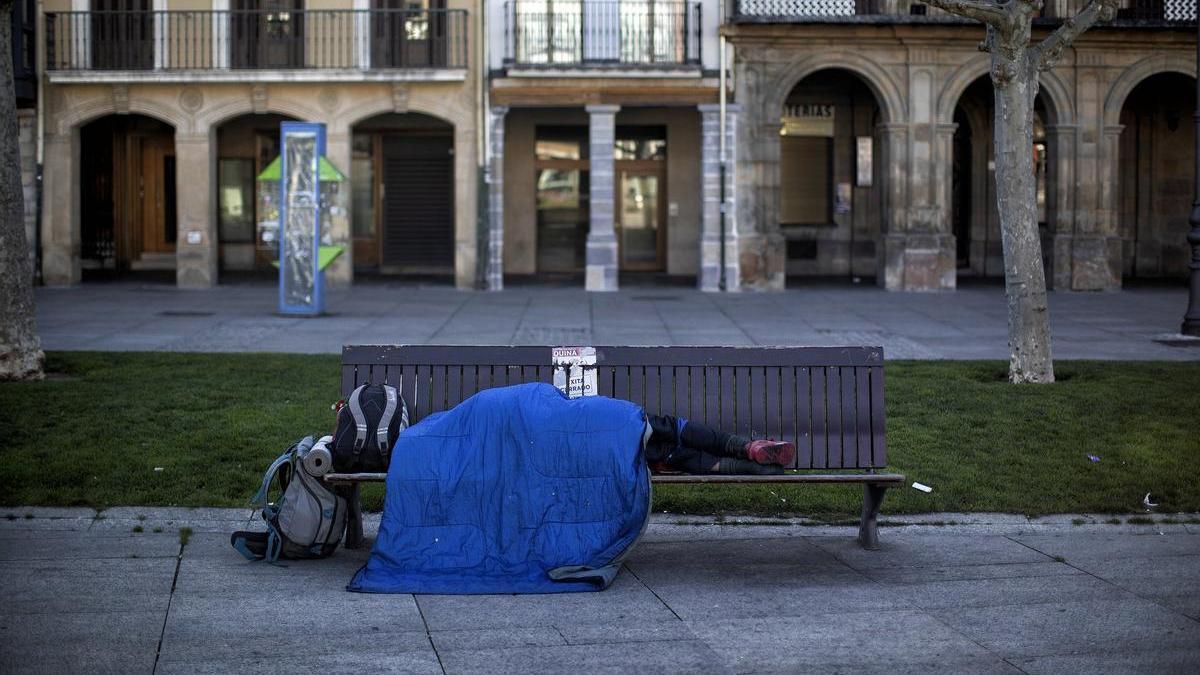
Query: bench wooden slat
[(695, 396), (652, 401), (741, 411), (349, 378), (849, 418), (833, 416), (637, 385), (802, 411), (424, 393), (879, 438), (726, 419), (820, 448), (789, 429), (712, 392), (771, 404), (439, 377), (862, 386), (621, 382)]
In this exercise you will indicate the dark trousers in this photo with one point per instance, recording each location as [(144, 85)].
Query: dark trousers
[(688, 446)]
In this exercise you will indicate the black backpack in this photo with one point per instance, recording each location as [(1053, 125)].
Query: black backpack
[(367, 427)]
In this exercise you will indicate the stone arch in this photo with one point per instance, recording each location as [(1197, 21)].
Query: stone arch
[(876, 77), (75, 117), (1133, 76), (281, 105), (457, 118), (1055, 95)]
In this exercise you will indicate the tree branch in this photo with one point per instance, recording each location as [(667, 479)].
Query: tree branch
[(980, 10), (1050, 50)]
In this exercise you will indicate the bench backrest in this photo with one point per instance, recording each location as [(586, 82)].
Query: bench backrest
[(828, 400)]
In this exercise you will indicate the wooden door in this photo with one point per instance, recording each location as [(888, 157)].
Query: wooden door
[(154, 180), (267, 34)]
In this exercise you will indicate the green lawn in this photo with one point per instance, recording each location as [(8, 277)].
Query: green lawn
[(94, 432)]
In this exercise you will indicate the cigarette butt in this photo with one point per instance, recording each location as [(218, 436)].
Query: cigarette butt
[(922, 487)]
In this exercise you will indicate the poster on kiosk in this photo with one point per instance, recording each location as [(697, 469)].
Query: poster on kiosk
[(301, 287)]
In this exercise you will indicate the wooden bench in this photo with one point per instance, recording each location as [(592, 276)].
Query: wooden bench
[(828, 400)]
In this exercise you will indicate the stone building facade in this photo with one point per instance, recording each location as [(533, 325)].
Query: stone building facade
[(864, 145), (159, 116)]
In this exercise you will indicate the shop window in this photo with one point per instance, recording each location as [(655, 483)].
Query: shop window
[(806, 181), (235, 200), (362, 185), (634, 143)]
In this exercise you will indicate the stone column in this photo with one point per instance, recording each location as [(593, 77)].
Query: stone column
[(340, 273), (1060, 204), (495, 184), (61, 234), (602, 238), (711, 205), (893, 144), (196, 244), (466, 209)]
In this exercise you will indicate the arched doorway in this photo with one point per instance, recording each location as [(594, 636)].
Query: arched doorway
[(402, 194), (829, 179), (127, 195), (245, 146), (1156, 176), (975, 221)]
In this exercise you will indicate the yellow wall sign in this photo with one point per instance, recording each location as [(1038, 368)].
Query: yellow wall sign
[(807, 119)]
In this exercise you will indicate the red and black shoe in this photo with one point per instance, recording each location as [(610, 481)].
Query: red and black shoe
[(766, 451)]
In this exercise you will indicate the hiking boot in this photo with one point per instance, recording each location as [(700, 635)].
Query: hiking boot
[(766, 451)]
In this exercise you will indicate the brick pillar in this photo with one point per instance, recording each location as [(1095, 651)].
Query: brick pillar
[(495, 183), (601, 239), (196, 244)]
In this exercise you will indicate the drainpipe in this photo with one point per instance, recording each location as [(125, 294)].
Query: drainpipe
[(39, 55), (482, 144), (721, 284)]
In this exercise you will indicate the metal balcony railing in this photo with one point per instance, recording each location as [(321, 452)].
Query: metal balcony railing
[(602, 33), (1142, 12), (256, 39)]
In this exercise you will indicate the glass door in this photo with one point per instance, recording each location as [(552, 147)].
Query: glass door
[(640, 219)]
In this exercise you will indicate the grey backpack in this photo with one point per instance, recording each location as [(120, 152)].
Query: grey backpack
[(309, 518)]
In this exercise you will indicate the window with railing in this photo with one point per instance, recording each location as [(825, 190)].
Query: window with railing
[(257, 34), (1145, 11), (602, 32)]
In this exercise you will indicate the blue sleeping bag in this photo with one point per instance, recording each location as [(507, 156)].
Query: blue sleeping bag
[(516, 490)]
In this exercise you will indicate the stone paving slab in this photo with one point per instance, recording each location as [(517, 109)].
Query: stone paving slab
[(343, 660), (1073, 627), (202, 648), (691, 656), (1107, 546), (86, 585), (930, 550), (1159, 661), (67, 545), (850, 639), (625, 599)]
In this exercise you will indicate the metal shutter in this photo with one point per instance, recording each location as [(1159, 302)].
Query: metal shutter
[(418, 202)]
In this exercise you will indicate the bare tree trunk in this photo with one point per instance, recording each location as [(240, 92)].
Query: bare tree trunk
[(1016, 196), (1015, 68), (20, 349)]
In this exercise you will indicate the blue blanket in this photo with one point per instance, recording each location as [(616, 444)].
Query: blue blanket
[(516, 490)]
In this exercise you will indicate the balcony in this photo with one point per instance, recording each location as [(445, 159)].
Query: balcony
[(602, 35), (1166, 13), (240, 45)]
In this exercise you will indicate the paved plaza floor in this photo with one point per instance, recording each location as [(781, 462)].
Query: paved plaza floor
[(965, 324), (85, 592)]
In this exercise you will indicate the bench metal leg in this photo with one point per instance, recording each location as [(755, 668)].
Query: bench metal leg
[(354, 526), (868, 532)]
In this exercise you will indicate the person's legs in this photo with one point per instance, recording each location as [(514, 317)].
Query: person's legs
[(698, 448), (761, 451)]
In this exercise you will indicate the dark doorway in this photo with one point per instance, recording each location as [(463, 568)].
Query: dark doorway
[(267, 34), (418, 207), (408, 34), (127, 194), (122, 35)]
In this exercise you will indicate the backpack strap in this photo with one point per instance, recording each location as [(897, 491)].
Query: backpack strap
[(260, 498), (385, 422), (360, 420)]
